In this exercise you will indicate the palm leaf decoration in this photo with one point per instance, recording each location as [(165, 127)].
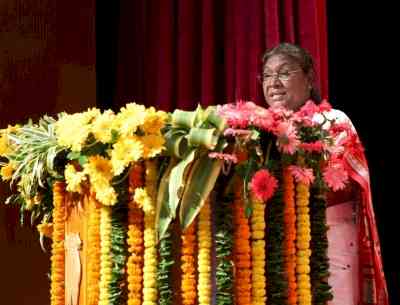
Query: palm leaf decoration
[(33, 153)]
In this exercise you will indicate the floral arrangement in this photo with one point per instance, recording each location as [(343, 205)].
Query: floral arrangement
[(259, 176)]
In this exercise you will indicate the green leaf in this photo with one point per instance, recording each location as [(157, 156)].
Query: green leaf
[(200, 182), (176, 142), (163, 215), (176, 183), (203, 136), (82, 160), (73, 155)]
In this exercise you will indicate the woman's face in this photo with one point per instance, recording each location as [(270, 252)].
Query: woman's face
[(285, 83)]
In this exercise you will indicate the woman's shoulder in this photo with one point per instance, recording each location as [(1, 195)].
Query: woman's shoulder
[(334, 114)]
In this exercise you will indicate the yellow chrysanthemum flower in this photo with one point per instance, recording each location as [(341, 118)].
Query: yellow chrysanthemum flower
[(100, 173), (154, 121), (143, 200), (152, 145), (129, 119), (4, 145), (73, 129), (7, 171), (102, 126), (74, 179), (125, 151)]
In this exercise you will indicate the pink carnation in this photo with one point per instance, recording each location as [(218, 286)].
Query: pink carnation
[(222, 156), (263, 185), (287, 137), (335, 175), (302, 174)]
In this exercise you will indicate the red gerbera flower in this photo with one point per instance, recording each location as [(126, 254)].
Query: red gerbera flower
[(263, 185)]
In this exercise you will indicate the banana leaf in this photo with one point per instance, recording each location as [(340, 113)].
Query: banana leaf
[(185, 118), (199, 184), (176, 142), (177, 181), (203, 136), (163, 215)]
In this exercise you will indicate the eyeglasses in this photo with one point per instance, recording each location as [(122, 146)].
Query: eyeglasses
[(282, 76)]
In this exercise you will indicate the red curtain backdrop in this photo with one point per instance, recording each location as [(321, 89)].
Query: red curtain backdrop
[(178, 53)]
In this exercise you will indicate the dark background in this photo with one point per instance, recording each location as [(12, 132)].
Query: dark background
[(362, 82)]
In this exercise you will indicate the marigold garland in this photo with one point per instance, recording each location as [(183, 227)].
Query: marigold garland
[(204, 255), (242, 252), (303, 244), (150, 294), (93, 251), (105, 258), (58, 252), (223, 251), (258, 280), (290, 234), (135, 240), (188, 267)]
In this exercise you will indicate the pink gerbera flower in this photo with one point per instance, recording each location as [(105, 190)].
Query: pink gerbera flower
[(287, 137), (317, 146), (264, 121), (308, 110), (222, 156), (263, 185), (237, 132), (335, 175), (302, 174)]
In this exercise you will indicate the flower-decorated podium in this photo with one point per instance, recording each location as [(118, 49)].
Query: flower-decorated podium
[(223, 205)]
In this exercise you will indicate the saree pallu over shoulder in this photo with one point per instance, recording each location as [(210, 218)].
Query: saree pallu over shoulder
[(372, 283)]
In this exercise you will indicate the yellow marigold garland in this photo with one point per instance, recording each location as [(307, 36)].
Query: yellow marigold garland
[(204, 255), (135, 240), (93, 251), (188, 267), (58, 252), (258, 252), (290, 235), (105, 259), (150, 292), (303, 244), (242, 252)]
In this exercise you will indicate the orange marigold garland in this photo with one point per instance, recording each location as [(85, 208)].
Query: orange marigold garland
[(135, 240), (303, 244), (58, 252), (290, 234), (242, 252), (258, 252), (204, 255), (150, 292), (263, 186), (93, 251), (188, 250)]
